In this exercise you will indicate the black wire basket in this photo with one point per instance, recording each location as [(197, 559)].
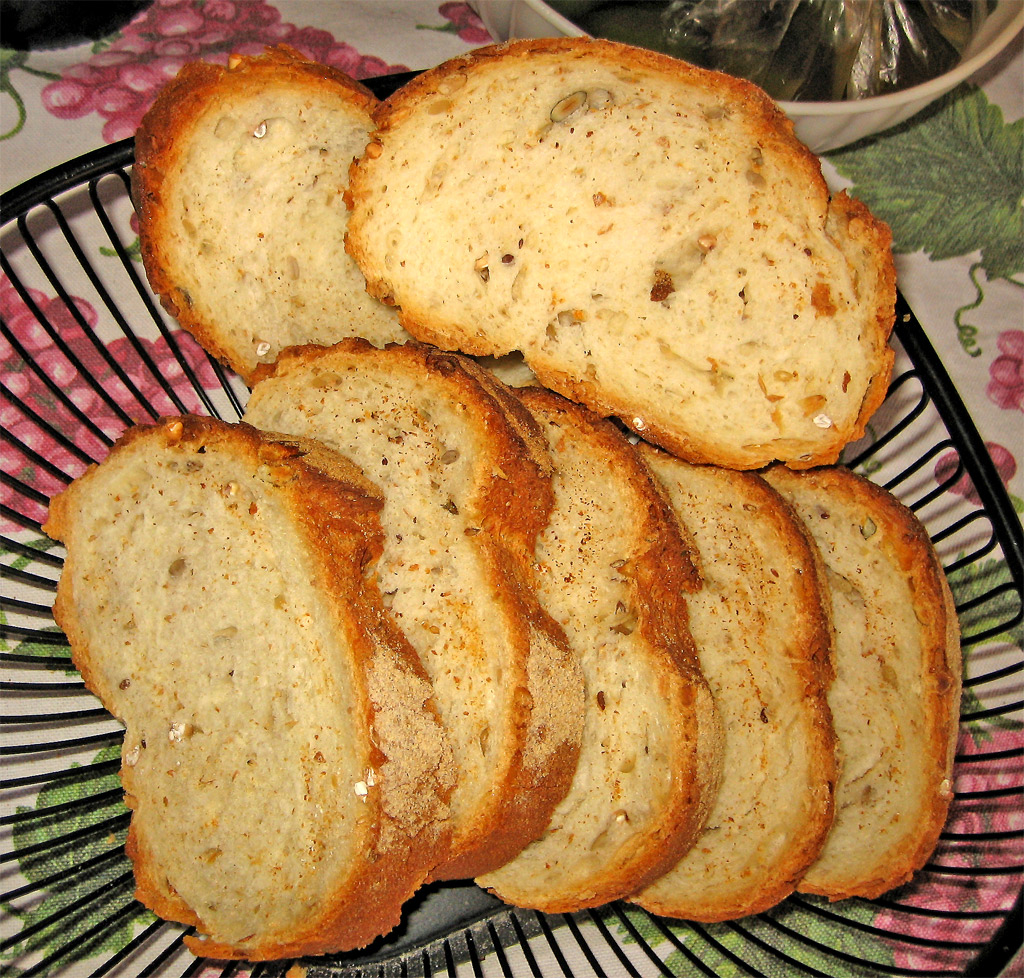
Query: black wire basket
[(88, 351)]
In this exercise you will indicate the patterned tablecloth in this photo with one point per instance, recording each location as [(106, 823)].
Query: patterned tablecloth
[(949, 182)]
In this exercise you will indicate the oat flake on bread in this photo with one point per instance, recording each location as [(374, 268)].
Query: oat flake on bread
[(651, 236)]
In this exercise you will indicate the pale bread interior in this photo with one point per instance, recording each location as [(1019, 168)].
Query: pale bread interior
[(254, 221), (895, 696), (657, 245), (760, 622), (639, 791), (442, 573), (240, 760)]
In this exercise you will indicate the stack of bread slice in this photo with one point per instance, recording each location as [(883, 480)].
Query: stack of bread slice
[(443, 627)]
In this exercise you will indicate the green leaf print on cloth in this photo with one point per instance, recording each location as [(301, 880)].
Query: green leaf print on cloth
[(70, 848), (961, 171)]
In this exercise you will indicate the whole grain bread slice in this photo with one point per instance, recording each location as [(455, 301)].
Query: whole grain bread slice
[(467, 489), (615, 572), (895, 698), (239, 182), (287, 772), (762, 629), (651, 236)]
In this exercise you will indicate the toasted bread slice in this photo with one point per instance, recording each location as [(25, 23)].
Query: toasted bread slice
[(615, 572), (651, 236), (239, 181), (895, 698), (762, 629), (287, 773), (466, 493)]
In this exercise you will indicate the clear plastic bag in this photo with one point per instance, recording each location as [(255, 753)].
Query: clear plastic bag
[(809, 50)]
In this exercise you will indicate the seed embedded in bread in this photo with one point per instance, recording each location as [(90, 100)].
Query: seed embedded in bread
[(466, 486), (615, 571), (762, 628), (895, 698)]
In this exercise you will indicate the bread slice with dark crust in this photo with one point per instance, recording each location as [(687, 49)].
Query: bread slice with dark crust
[(895, 698), (239, 181), (466, 482), (615, 572), (287, 772), (651, 236), (763, 634)]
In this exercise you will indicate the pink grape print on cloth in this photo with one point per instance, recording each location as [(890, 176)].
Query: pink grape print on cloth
[(120, 81), (985, 804), (60, 426), (1006, 373)]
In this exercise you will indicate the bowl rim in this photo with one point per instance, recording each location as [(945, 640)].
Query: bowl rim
[(930, 89)]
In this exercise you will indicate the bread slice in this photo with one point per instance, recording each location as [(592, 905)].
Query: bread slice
[(895, 699), (466, 493), (650, 235), (762, 629), (615, 572), (239, 181), (286, 770)]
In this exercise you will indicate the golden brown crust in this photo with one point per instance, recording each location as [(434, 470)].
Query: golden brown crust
[(909, 549), (479, 325), (514, 499), (660, 572), (809, 666), (336, 507), (163, 137)]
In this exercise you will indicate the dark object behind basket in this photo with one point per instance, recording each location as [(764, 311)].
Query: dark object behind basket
[(27, 25), (797, 50)]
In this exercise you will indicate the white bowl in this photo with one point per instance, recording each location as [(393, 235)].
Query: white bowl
[(823, 126)]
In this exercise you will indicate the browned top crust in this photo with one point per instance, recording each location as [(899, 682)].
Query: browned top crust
[(341, 394), (623, 822)]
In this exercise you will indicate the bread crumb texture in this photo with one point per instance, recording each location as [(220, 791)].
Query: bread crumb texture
[(239, 180), (640, 791), (199, 594), (761, 626), (450, 466), (895, 698), (652, 237)]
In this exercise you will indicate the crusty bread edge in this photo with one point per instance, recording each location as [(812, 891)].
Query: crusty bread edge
[(515, 501), (941, 668), (816, 668), (660, 578), (377, 889), (770, 125), (180, 102)]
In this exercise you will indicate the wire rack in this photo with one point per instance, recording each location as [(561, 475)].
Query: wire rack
[(88, 351)]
